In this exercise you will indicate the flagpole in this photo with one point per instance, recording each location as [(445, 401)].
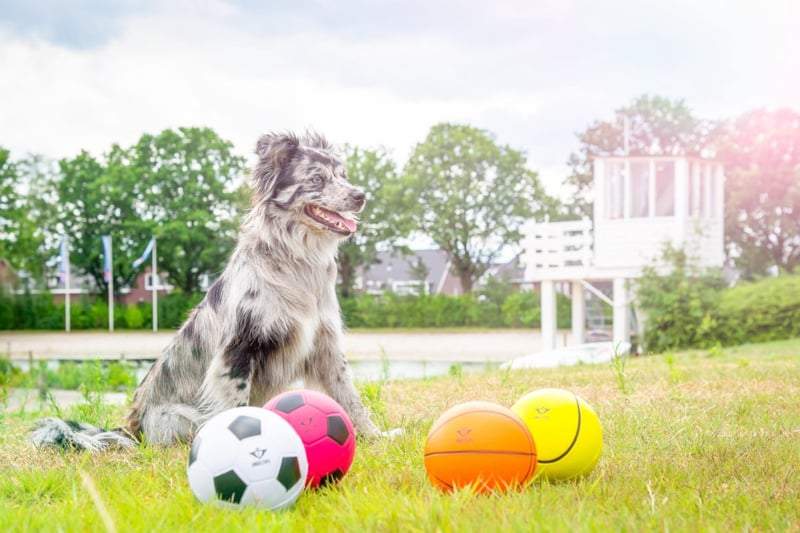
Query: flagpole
[(67, 315), (154, 284), (110, 286)]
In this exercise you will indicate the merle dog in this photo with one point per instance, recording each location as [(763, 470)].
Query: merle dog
[(270, 318)]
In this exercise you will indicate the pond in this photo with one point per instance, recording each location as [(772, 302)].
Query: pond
[(363, 369)]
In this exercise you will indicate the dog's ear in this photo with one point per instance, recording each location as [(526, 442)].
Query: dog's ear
[(275, 151)]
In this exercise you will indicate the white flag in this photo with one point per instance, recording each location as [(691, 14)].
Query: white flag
[(146, 254)]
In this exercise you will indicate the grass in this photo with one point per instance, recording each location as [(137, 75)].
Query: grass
[(701, 440)]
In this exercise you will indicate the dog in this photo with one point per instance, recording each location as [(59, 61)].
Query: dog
[(270, 318)]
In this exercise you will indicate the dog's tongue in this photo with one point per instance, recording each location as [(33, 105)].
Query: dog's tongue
[(351, 225)]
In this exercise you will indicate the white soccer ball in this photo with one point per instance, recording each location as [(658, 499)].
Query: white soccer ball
[(247, 456)]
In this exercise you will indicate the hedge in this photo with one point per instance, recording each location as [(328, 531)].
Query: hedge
[(693, 312), (765, 310), (517, 310), (505, 309), (39, 311)]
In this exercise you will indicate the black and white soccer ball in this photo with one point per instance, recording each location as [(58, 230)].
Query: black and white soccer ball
[(247, 456)]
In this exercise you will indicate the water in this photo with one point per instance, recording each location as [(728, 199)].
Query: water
[(363, 370)]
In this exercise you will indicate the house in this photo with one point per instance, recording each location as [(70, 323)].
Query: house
[(8, 276), (640, 203), (512, 271), (428, 272), (421, 272), (141, 290)]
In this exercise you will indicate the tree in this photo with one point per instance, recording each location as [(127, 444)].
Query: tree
[(471, 196), (21, 237), (761, 153), (384, 221), (657, 126), (186, 188), (98, 198)]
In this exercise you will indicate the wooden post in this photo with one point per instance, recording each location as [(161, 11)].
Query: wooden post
[(621, 326), (154, 283), (548, 315), (578, 313)]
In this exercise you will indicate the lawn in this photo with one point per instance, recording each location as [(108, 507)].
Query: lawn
[(693, 441)]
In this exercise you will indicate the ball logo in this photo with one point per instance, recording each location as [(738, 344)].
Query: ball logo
[(464, 435), (542, 412), (258, 454)]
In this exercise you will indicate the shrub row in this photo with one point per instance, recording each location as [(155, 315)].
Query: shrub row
[(516, 310), (765, 310), (692, 309), (507, 309), (39, 311)]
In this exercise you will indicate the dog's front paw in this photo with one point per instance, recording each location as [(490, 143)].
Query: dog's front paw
[(392, 433)]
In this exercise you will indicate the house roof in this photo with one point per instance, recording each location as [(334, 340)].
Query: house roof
[(394, 266)]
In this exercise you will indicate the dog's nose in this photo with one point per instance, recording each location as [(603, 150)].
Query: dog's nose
[(359, 197)]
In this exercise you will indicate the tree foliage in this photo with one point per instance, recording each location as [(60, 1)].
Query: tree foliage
[(96, 198), (658, 126), (21, 237), (186, 186), (178, 185), (761, 153), (383, 221), (471, 196)]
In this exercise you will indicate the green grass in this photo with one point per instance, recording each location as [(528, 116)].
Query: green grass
[(693, 441)]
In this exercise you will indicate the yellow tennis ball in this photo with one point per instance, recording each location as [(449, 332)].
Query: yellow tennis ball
[(566, 431)]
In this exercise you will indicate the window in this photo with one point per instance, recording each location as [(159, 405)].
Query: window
[(665, 189), (148, 282), (615, 188), (640, 189)]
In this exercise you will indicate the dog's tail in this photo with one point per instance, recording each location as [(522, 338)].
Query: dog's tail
[(68, 434)]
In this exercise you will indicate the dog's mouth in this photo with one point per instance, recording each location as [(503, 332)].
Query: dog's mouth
[(332, 220)]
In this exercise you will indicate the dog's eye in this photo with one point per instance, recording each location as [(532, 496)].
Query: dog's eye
[(317, 180)]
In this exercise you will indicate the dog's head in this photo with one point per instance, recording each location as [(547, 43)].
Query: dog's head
[(306, 182)]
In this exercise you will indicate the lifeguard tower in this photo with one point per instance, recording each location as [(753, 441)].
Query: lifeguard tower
[(640, 203)]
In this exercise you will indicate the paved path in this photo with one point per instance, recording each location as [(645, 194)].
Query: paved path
[(500, 345)]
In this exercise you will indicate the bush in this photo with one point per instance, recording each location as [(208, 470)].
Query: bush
[(39, 311), (764, 310), (512, 310), (134, 319), (689, 307), (681, 305)]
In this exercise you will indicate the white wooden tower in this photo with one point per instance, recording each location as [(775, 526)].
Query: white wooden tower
[(639, 204)]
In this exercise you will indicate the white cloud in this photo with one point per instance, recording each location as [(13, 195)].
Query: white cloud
[(533, 73)]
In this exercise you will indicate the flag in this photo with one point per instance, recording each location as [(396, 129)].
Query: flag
[(106, 257), (145, 254), (63, 259)]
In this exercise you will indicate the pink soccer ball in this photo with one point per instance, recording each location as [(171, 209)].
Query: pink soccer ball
[(324, 428)]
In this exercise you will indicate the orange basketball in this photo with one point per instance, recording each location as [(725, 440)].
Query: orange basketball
[(480, 444)]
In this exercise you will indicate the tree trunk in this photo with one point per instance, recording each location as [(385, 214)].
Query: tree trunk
[(346, 277), (466, 281)]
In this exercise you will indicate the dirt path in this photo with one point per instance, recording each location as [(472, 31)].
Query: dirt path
[(500, 345)]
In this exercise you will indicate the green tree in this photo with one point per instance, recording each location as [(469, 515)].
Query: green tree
[(761, 153), (383, 222), (95, 198), (186, 185), (657, 126), (21, 236), (471, 196)]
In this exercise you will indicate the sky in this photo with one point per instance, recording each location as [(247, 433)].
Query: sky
[(88, 73)]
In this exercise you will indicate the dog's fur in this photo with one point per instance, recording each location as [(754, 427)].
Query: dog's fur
[(270, 318)]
